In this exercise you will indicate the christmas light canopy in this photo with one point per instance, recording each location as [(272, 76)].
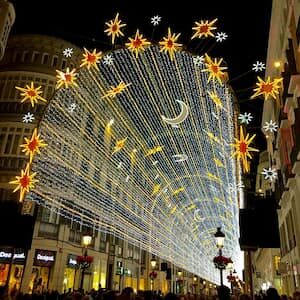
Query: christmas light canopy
[(115, 165)]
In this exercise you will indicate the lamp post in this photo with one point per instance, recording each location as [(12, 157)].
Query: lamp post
[(220, 236), (195, 279), (153, 274), (84, 261)]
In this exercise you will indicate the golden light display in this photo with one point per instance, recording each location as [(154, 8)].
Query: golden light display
[(25, 182), (31, 94), (169, 44), (137, 44), (213, 67), (33, 145), (119, 146), (66, 79), (151, 164), (267, 88), (115, 90), (204, 29), (114, 28), (90, 59), (242, 148)]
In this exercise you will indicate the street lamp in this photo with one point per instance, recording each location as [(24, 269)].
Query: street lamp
[(153, 262), (85, 260), (220, 236)]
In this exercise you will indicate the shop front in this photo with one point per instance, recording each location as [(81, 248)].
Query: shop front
[(70, 274), (41, 270), (11, 267)]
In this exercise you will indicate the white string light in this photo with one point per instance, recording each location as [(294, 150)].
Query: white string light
[(80, 179)]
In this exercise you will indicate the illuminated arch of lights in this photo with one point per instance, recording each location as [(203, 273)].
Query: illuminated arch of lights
[(145, 154)]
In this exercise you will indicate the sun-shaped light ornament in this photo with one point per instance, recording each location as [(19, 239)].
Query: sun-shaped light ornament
[(267, 88), (169, 44), (214, 69), (25, 182), (90, 59), (204, 28), (31, 94), (115, 90), (33, 145), (242, 149), (137, 44), (114, 28), (66, 79)]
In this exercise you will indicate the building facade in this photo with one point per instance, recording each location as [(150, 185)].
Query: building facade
[(7, 19), (283, 60)]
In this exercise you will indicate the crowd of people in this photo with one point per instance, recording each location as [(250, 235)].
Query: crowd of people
[(223, 293)]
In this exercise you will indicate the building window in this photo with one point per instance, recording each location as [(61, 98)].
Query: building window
[(54, 61), (25, 56), (35, 56), (45, 58)]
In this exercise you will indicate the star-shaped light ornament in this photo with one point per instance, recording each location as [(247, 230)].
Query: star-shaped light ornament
[(66, 79), (90, 59), (245, 118), (169, 44), (119, 146), (216, 99), (198, 60), (214, 69), (32, 94), (258, 66), (242, 149), (269, 174), (114, 28), (28, 118), (108, 60), (270, 126), (267, 88), (115, 90), (68, 52), (137, 44), (155, 20), (72, 107), (33, 145), (221, 36), (204, 28), (25, 182)]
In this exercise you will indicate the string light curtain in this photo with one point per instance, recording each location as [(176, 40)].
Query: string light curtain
[(145, 154)]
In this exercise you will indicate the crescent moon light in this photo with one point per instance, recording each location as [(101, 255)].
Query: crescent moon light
[(197, 216), (181, 117)]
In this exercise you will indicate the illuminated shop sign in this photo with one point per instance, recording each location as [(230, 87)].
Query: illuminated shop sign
[(6, 254), (72, 261), (44, 258)]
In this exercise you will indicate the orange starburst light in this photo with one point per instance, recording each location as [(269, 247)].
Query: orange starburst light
[(25, 182), (119, 146), (242, 149), (214, 69), (114, 28), (66, 79), (137, 44), (204, 29), (31, 93), (115, 90), (267, 88), (90, 59), (33, 145), (169, 45)]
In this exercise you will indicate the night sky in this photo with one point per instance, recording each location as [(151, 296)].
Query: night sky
[(246, 23)]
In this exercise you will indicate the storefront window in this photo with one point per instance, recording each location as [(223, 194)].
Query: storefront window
[(43, 262), (70, 272)]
